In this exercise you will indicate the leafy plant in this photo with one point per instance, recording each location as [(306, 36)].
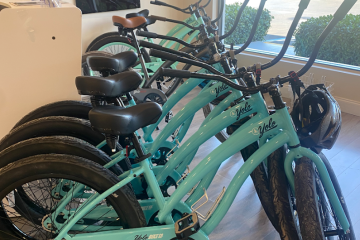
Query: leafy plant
[(243, 29), (342, 45)]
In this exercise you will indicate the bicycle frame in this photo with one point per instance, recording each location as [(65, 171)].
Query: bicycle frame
[(206, 96), (277, 129)]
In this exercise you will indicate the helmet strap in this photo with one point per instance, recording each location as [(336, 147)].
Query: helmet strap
[(295, 83)]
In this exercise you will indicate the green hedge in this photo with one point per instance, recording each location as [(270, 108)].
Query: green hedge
[(342, 45), (243, 30)]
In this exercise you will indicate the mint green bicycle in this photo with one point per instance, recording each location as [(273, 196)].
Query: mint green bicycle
[(83, 212), (176, 175)]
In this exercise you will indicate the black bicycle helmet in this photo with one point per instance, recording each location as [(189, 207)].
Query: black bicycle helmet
[(317, 118)]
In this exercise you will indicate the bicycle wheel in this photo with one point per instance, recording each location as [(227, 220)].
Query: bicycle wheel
[(316, 216), (58, 145), (261, 181), (59, 126), (111, 42), (68, 108), (39, 174), (48, 145), (282, 197)]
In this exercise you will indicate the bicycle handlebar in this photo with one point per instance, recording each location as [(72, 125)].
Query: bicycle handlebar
[(338, 16), (204, 6), (175, 58), (161, 48), (221, 12), (187, 74), (253, 29), (237, 19), (302, 6), (163, 19), (155, 35)]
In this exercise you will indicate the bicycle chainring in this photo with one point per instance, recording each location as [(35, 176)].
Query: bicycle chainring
[(161, 160)]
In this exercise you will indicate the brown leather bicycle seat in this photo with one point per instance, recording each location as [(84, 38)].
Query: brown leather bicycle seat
[(130, 23)]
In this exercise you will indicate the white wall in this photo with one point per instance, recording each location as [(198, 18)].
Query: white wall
[(96, 24), (346, 87)]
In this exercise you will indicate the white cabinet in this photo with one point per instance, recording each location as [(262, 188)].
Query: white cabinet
[(40, 56)]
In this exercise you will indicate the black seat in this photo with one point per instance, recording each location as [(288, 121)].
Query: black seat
[(150, 20), (142, 13), (112, 86), (114, 64), (116, 120)]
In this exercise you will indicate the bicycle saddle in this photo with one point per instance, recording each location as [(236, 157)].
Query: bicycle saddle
[(150, 20), (112, 86), (142, 13), (115, 64), (130, 23), (116, 120)]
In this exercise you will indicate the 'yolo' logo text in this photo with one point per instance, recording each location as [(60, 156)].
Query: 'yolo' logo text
[(219, 89), (264, 128), (241, 110)]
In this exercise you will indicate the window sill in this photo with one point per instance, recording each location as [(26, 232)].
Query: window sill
[(304, 59)]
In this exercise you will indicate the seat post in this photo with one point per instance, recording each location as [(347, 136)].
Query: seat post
[(142, 61), (137, 146)]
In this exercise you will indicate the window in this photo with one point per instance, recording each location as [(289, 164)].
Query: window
[(275, 22), (94, 6)]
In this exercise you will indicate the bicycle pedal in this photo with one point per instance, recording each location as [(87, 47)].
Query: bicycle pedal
[(187, 226)]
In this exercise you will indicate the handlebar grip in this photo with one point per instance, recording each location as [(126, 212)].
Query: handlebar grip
[(304, 4), (156, 2), (175, 73), (161, 3), (158, 18), (146, 34), (163, 55), (344, 9)]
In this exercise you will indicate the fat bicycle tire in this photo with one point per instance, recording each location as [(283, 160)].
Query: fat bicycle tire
[(57, 145), (65, 167), (282, 196), (52, 145), (68, 108), (108, 38), (59, 126), (260, 179), (307, 185)]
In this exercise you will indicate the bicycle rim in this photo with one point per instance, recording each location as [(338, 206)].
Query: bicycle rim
[(41, 192)]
